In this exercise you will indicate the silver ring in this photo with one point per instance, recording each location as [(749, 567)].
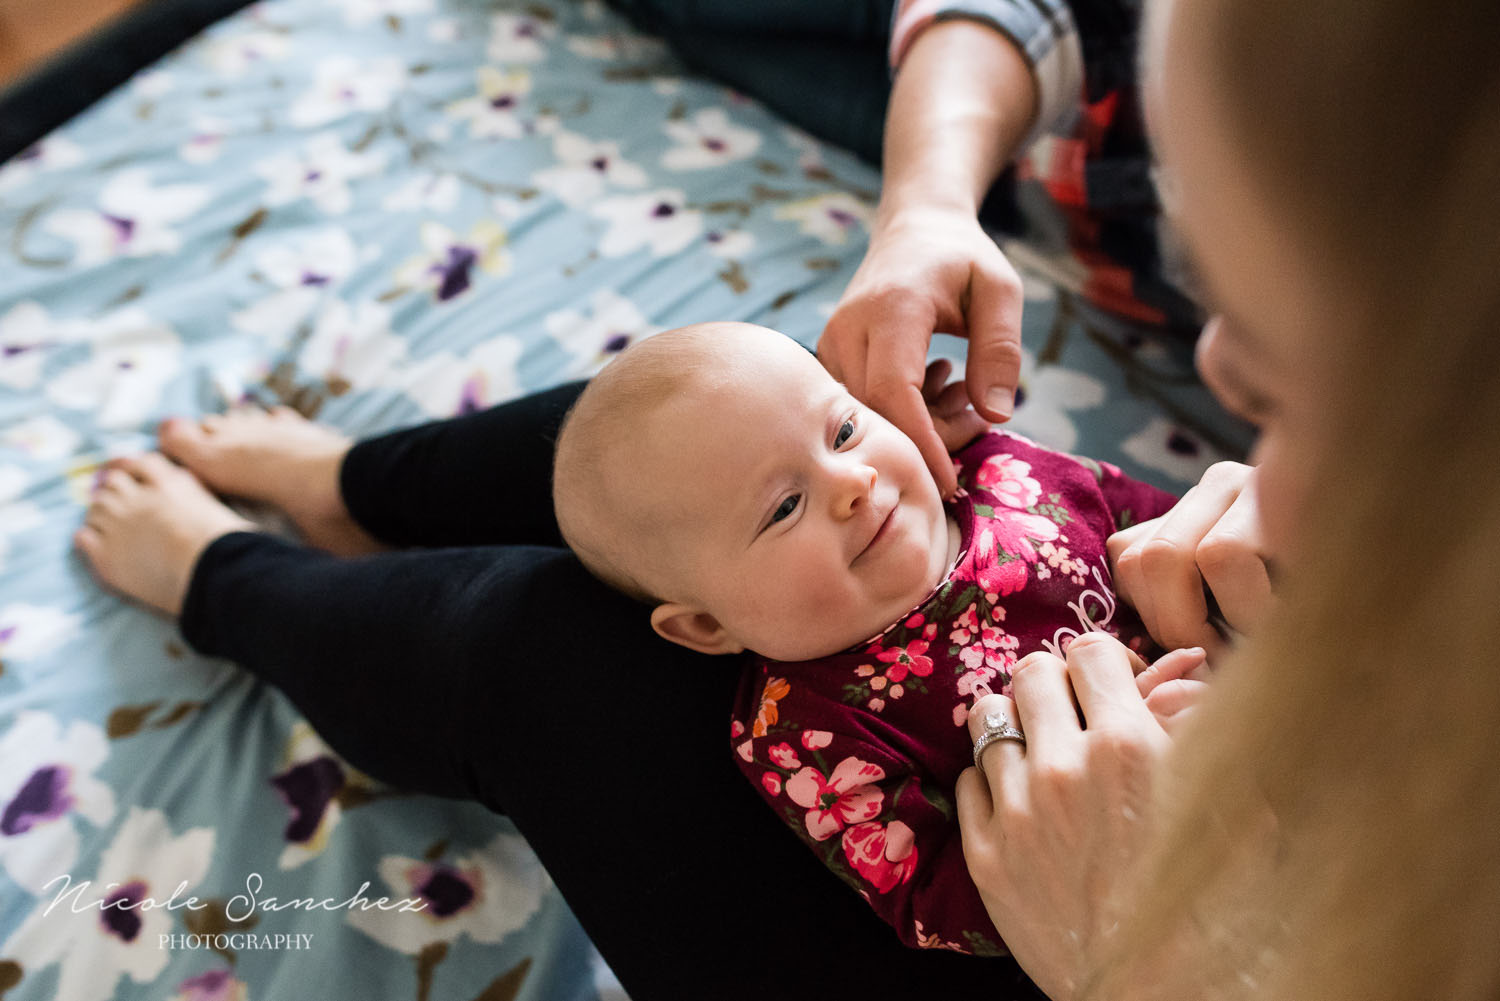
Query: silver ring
[(996, 727)]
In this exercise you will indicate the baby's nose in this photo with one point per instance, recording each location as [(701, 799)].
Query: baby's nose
[(855, 483)]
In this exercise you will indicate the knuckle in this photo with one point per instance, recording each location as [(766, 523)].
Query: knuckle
[(1160, 555), (1220, 550), (1117, 748), (1225, 472)]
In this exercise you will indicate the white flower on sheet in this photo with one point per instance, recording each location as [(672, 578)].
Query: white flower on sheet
[(229, 56), (444, 385), (207, 141), (593, 338), (357, 12), (301, 270), (17, 516), (708, 139), (1045, 399), (96, 946), (658, 220), (425, 192), (132, 360), (585, 167), (320, 171), (133, 219), (28, 631), (619, 45), (51, 153), (44, 438), (494, 113), (734, 243), (1168, 448), (485, 894), (343, 84), (518, 38), (46, 778), (152, 83), (27, 335), (830, 217), (809, 149), (448, 262), (352, 347)]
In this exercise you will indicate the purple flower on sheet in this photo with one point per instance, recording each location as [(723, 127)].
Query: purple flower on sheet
[(215, 985), (484, 894), (307, 788), (46, 777), (447, 267)]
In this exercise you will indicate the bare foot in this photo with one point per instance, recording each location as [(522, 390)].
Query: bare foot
[(148, 522), (277, 457)]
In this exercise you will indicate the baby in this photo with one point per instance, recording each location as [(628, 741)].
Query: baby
[(721, 476)]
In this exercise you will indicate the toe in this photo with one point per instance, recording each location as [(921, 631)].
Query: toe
[(87, 541), (154, 467), (131, 466), (211, 423), (180, 439), (118, 479)]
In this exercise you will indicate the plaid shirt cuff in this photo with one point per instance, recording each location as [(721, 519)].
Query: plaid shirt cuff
[(1042, 29)]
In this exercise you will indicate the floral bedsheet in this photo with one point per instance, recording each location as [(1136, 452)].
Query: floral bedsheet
[(378, 211)]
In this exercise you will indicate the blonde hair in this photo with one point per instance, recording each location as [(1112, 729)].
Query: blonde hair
[(1362, 727), (597, 511)]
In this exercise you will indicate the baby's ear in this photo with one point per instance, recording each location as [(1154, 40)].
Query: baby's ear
[(687, 626)]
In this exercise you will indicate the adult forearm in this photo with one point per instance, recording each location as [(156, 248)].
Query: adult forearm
[(963, 101)]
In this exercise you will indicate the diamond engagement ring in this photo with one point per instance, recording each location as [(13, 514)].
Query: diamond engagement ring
[(996, 727)]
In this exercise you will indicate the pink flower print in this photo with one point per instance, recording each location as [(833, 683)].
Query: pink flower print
[(930, 632), (934, 941), (897, 691), (814, 739), (746, 750), (772, 782), (885, 855), (976, 682), (876, 705), (911, 659), (876, 684), (960, 714), (864, 670), (1010, 480), (784, 756), (736, 728), (915, 621), (847, 797)]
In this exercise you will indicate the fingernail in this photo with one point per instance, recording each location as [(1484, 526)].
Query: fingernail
[(1000, 400)]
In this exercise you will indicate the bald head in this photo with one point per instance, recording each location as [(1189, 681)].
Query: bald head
[(616, 524)]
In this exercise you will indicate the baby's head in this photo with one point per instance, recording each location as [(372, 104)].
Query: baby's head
[(718, 473)]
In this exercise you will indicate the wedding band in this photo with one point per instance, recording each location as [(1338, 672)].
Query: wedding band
[(996, 727)]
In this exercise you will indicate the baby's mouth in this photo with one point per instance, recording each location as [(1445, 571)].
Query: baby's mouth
[(880, 533)]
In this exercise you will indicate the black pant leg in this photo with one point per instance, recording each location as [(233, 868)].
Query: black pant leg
[(480, 479), (512, 676)]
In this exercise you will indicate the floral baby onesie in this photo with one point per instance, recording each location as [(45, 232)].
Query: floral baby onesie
[(859, 752)]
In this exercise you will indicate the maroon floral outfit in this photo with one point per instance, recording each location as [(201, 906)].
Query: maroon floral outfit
[(860, 752)]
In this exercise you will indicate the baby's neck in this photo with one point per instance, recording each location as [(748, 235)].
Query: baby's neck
[(953, 543)]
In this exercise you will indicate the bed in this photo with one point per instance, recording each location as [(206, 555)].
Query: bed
[(377, 212)]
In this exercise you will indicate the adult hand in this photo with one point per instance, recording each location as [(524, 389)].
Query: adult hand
[(1211, 537), (1052, 827), (927, 269)]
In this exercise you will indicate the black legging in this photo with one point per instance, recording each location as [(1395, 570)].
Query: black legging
[(500, 670)]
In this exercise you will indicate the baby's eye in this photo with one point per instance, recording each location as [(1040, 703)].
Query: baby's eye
[(785, 508), (846, 431)]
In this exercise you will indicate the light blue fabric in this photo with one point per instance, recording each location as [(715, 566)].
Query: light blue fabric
[(381, 211)]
